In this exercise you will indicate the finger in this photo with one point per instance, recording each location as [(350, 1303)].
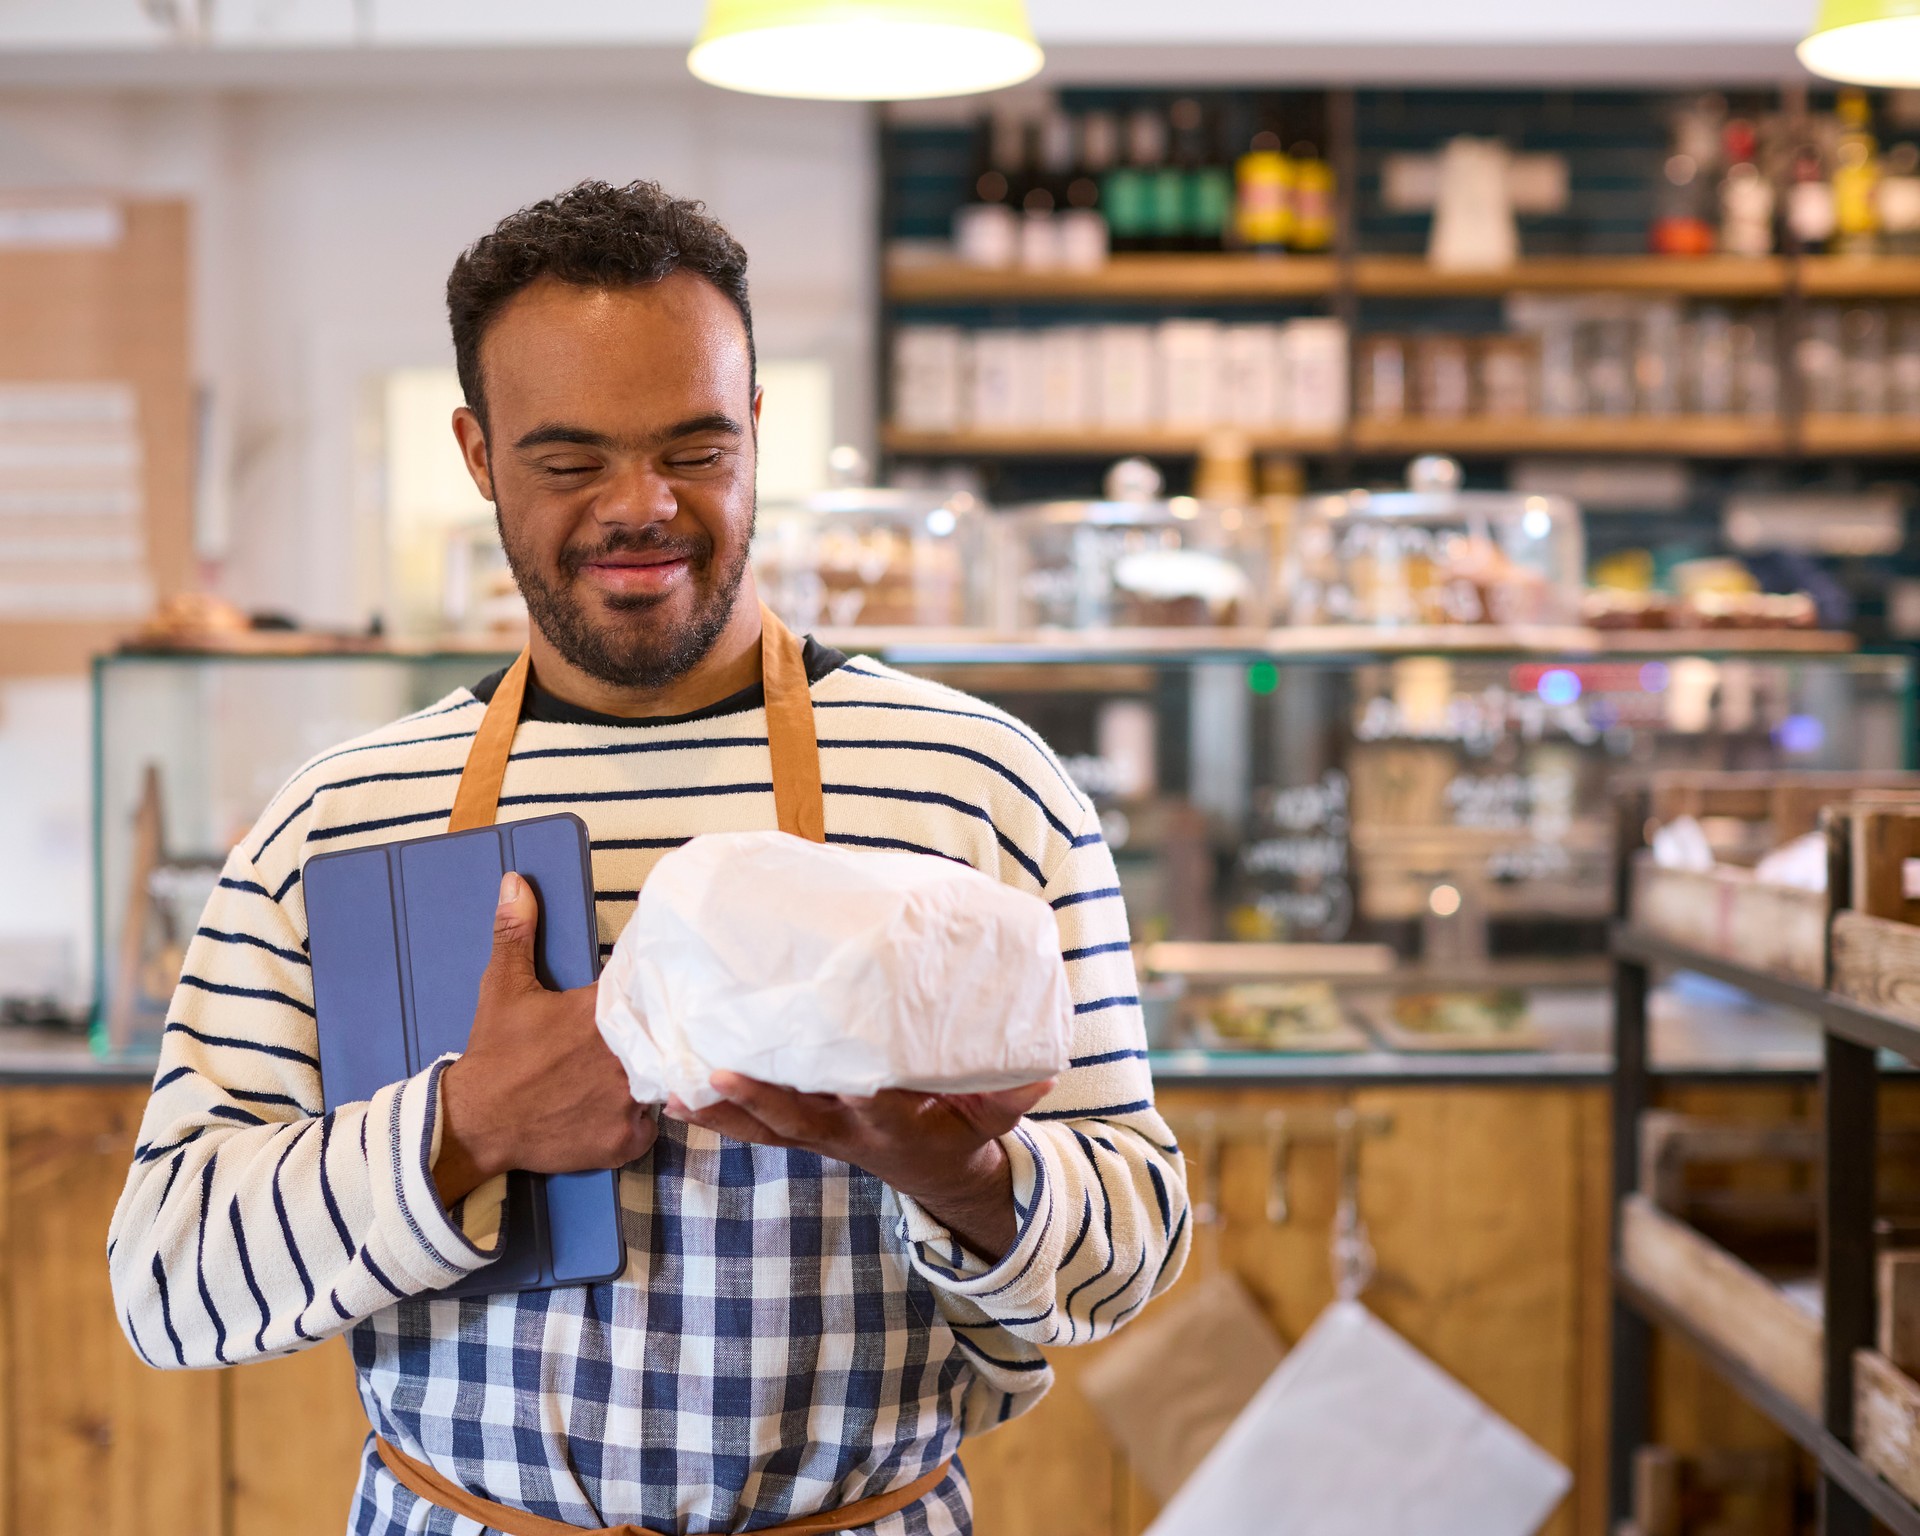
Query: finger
[(515, 922), (725, 1119), (998, 1113), (799, 1119)]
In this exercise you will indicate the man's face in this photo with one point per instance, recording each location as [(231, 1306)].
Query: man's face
[(619, 456)]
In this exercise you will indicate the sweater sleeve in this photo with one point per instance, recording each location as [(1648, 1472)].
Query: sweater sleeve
[(251, 1222), (1099, 1185)]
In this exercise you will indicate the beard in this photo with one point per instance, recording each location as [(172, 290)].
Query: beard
[(616, 640)]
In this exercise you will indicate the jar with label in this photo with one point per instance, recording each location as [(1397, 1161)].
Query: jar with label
[(1710, 354), (1863, 359), (1508, 367), (1608, 370), (1817, 358), (1444, 369), (1903, 364), (1383, 378), (1756, 365)]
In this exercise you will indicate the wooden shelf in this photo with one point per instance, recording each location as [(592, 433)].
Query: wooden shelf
[(1700, 276), (1095, 442), (1889, 436), (1687, 436), (1691, 436), (1227, 278), (1838, 1461), (1883, 277), (1198, 278)]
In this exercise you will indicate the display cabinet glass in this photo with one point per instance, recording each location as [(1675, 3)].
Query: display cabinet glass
[(1434, 816)]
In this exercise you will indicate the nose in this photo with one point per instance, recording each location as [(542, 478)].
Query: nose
[(635, 497)]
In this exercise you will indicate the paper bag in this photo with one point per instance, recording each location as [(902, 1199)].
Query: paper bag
[(832, 970), (1356, 1434), (1168, 1387)]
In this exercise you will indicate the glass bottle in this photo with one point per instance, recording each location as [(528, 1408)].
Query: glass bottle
[(1084, 236), (1856, 178), (1263, 215), (1746, 196), (1312, 199), (986, 228)]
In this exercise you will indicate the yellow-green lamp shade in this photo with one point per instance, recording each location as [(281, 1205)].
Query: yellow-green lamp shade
[(865, 50), (1865, 42)]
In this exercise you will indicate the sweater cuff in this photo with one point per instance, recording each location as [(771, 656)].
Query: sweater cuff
[(949, 1264), (428, 1243)]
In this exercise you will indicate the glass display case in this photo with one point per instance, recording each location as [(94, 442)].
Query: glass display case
[(1435, 554), (875, 557), (1147, 564), (188, 750), (1438, 820)]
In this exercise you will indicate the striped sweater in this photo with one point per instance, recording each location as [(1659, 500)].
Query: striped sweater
[(788, 1334)]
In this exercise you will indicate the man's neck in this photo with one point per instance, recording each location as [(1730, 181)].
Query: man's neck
[(733, 663)]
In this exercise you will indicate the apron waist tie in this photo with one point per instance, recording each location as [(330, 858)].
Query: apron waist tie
[(423, 1482)]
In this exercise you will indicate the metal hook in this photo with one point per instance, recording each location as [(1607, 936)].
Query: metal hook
[(1279, 1144), (1207, 1209), (1353, 1256)]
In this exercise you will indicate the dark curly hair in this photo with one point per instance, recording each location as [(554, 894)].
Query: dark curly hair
[(595, 235)]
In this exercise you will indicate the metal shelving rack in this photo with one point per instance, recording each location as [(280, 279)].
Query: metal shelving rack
[(1852, 1496)]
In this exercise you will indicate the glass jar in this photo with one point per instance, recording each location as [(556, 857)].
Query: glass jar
[(1435, 554), (1132, 563), (875, 558)]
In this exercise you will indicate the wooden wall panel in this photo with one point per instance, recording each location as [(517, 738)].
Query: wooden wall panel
[(1488, 1211), (294, 1432), (119, 313), (99, 1444)]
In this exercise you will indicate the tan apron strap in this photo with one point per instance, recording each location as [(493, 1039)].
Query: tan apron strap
[(423, 1482), (798, 801), (798, 804), (477, 801)]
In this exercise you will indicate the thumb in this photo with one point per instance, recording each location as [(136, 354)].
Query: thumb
[(514, 923)]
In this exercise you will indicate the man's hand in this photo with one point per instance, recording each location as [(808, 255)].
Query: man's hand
[(537, 1087), (942, 1149)]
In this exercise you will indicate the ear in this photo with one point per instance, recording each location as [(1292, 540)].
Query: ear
[(759, 399), (472, 438)]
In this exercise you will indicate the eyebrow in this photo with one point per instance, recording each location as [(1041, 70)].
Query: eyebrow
[(583, 437)]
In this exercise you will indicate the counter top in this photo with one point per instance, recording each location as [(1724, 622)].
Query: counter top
[(1699, 1029)]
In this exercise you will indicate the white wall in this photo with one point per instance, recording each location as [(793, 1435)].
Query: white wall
[(327, 220), (325, 223)]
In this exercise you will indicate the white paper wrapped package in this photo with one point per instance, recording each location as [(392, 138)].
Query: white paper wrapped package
[(832, 970)]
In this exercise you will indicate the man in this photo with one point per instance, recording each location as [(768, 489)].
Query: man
[(821, 1296)]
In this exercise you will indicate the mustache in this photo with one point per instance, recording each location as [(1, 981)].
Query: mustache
[(648, 541)]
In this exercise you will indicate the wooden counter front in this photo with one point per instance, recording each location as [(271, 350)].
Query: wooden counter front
[(1487, 1203)]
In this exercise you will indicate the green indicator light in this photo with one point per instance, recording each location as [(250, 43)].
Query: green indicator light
[(1263, 677)]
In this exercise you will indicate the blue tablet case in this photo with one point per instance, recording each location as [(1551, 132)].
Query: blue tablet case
[(399, 935)]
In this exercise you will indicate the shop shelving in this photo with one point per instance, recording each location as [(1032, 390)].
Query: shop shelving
[(1684, 436), (1197, 279), (1202, 279), (1853, 1496)]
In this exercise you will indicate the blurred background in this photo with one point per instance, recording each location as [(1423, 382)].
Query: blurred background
[(1441, 477)]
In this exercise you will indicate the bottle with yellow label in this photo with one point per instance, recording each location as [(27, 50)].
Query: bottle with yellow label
[(1856, 178), (1263, 201), (1312, 200)]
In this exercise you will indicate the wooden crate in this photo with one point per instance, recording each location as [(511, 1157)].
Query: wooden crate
[(1876, 944), (1726, 912), (1886, 1420), (1724, 1299)]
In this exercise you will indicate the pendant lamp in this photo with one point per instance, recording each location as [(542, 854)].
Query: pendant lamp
[(1865, 42), (865, 50)]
